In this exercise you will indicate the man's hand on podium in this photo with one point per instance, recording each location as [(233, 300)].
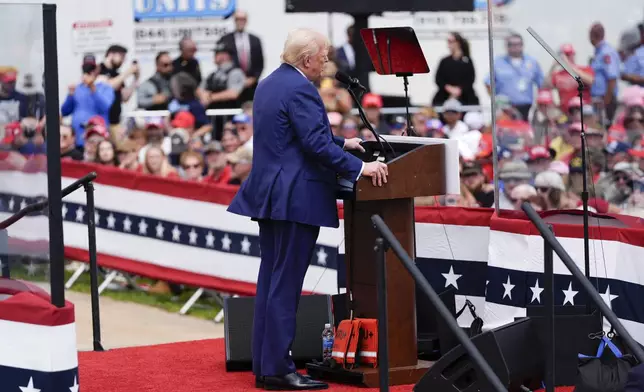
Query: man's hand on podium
[(378, 172), (353, 144)]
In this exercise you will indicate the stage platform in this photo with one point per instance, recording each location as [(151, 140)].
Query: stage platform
[(177, 367)]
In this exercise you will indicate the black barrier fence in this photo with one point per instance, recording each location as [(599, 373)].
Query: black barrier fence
[(57, 284), (385, 241), (552, 244)]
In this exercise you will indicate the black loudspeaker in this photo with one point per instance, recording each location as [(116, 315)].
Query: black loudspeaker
[(313, 312), (434, 336), (572, 327), (511, 350)]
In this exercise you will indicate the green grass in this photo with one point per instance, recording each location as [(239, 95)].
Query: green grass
[(205, 308)]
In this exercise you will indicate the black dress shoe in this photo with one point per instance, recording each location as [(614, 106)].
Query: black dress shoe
[(259, 382), (292, 382)]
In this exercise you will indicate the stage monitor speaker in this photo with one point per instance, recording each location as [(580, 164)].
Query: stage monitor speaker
[(314, 311), (434, 337), (378, 6), (572, 327), (511, 351)]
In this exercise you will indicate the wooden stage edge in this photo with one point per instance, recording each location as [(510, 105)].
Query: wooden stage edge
[(369, 377)]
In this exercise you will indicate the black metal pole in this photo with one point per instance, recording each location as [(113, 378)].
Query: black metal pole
[(383, 337), (438, 304), (585, 283), (549, 297), (93, 267), (584, 187), (52, 134)]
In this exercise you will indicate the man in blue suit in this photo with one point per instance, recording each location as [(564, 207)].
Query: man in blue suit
[(291, 193)]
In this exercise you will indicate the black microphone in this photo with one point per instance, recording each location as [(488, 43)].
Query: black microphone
[(349, 81)]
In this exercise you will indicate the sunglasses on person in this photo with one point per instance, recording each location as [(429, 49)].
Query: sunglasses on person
[(621, 177), (543, 189), (633, 120), (193, 166), (519, 200)]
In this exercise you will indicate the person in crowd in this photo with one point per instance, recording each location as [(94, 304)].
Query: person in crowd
[(88, 99), (155, 93), (631, 52), (544, 118), (621, 184), (538, 158), (68, 148), (225, 85), (335, 121), (247, 52), (106, 154), (247, 108), (335, 99), (156, 163), (372, 104), (95, 132), (35, 99), (345, 55), (521, 194), (28, 137), (244, 125), (187, 63), (192, 166), (155, 135), (185, 92), (14, 105), (455, 74), (516, 76), (512, 173), (453, 125), (475, 182), (550, 187), (109, 68), (241, 163), (230, 138), (399, 126), (218, 170), (367, 135), (434, 128), (127, 156), (349, 128), (606, 67), (617, 152), (139, 137), (419, 122), (634, 124), (561, 81)]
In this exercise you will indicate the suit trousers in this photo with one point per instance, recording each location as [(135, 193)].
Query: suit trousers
[(286, 251)]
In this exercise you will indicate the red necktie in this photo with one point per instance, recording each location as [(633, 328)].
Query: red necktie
[(243, 56)]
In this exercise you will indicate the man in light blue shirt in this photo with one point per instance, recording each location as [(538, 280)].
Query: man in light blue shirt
[(87, 99), (516, 75), (632, 52), (606, 66)]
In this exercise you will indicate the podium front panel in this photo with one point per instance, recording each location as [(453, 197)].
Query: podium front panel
[(360, 236)]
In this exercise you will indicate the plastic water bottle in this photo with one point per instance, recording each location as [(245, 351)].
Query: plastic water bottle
[(327, 342)]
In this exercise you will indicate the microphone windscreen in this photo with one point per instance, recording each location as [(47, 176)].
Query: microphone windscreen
[(343, 77)]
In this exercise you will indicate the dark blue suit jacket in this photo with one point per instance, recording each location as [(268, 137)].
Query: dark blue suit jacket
[(295, 156)]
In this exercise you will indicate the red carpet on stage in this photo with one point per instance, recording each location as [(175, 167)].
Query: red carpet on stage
[(177, 367)]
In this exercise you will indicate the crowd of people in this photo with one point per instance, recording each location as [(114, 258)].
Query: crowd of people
[(539, 118)]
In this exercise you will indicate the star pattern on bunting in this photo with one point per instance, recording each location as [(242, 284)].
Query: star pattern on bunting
[(451, 278), (175, 232), (536, 292)]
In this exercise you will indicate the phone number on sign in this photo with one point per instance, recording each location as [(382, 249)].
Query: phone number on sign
[(176, 33)]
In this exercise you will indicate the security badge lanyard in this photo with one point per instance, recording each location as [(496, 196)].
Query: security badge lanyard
[(522, 83)]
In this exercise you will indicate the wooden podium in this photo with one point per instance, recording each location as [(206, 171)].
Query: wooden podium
[(418, 172)]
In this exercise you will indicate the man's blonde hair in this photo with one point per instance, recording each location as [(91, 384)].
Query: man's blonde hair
[(303, 43)]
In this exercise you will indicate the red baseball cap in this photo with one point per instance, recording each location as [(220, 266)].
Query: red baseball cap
[(545, 97), (372, 100), (183, 120), (95, 120), (538, 152), (9, 76), (98, 129)]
